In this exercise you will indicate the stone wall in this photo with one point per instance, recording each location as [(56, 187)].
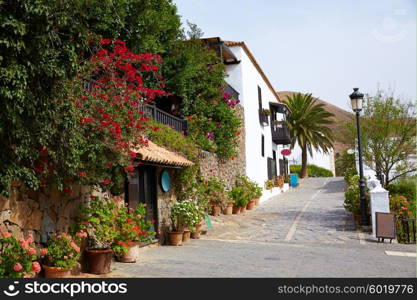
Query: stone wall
[(226, 170), (40, 212), (165, 200)]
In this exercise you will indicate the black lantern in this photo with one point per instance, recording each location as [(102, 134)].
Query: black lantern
[(356, 99)]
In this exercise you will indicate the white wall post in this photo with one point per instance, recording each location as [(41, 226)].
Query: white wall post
[(379, 203)]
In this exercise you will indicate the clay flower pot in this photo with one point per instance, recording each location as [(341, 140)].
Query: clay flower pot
[(195, 235), (186, 236), (131, 255), (199, 226), (228, 210), (175, 238), (243, 209), (56, 272), (256, 201), (236, 210), (250, 205), (216, 210), (99, 261)]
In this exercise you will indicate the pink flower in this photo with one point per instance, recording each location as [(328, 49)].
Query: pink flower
[(7, 234), (75, 247), (44, 251), (65, 257), (17, 267), (31, 251), (30, 239), (36, 267)]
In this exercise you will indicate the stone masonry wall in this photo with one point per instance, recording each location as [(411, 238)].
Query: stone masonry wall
[(40, 212), (226, 171)]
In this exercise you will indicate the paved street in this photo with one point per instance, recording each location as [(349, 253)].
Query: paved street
[(303, 233)]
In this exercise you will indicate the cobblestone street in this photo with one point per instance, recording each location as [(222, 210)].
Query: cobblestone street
[(304, 232)]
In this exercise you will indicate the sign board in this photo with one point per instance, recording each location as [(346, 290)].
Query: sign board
[(208, 222), (385, 226), (286, 152)]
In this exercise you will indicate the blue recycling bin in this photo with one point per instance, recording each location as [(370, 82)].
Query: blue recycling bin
[(293, 180)]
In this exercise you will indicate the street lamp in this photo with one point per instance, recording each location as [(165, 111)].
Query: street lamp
[(356, 99)]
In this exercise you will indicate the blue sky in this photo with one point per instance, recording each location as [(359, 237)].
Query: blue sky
[(324, 47)]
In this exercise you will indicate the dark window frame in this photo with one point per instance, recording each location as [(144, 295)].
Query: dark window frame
[(263, 146)]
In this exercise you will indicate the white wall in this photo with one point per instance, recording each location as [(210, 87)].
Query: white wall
[(245, 79), (319, 158)]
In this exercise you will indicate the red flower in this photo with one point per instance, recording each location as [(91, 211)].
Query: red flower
[(105, 41), (82, 174), (106, 181), (132, 154), (130, 168)]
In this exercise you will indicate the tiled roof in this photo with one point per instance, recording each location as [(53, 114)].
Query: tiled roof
[(255, 63), (158, 154)]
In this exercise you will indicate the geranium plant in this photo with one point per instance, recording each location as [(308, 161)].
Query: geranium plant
[(63, 251), (18, 257), (132, 227), (215, 191), (98, 219)]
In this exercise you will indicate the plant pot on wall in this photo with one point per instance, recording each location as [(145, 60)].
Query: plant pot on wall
[(243, 209), (175, 238), (56, 272), (228, 210), (216, 210), (186, 236), (99, 261), (131, 255), (236, 209), (250, 205)]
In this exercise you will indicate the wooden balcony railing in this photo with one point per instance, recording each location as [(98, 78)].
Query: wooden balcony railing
[(280, 133), (160, 116)]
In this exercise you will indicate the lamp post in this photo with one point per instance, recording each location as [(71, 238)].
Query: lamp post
[(356, 99)]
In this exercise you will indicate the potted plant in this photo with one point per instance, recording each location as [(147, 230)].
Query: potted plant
[(279, 181), (18, 257), (257, 192), (61, 255), (215, 192), (269, 185), (182, 217), (98, 219), (264, 116), (228, 209), (196, 222), (132, 229), (237, 193)]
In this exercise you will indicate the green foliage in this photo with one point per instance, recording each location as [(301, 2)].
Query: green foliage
[(17, 257), (244, 191), (238, 194), (308, 123), (215, 191), (42, 48), (62, 251), (313, 171), (131, 226), (99, 220), (352, 195), (194, 73), (388, 127), (345, 163), (402, 207), (185, 214), (406, 188)]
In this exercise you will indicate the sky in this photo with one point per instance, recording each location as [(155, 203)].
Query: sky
[(323, 47)]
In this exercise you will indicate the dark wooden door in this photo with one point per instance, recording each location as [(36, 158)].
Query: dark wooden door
[(142, 189), (283, 166)]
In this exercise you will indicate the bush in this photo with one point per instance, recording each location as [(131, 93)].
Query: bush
[(312, 170), (62, 252), (352, 195), (404, 188)]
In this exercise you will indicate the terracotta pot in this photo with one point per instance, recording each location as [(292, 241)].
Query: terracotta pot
[(99, 261), (132, 254), (236, 210), (228, 210), (357, 218), (199, 226), (256, 201), (250, 205), (186, 236), (195, 235), (216, 210), (56, 272), (243, 209), (175, 238)]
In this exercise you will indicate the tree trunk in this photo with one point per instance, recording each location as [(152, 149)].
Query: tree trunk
[(304, 172)]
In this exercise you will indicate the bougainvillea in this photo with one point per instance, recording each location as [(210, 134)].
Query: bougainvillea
[(106, 103)]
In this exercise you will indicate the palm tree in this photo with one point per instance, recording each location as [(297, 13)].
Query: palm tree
[(307, 123)]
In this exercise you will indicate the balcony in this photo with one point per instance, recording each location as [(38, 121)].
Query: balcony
[(160, 116), (280, 133), (264, 116)]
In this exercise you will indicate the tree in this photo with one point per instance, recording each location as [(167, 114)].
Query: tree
[(388, 135), (307, 123), (345, 163), (43, 44)]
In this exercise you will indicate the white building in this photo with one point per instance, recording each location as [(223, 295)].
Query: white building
[(263, 140)]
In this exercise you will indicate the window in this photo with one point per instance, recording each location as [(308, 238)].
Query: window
[(274, 155), (259, 97), (263, 146)]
